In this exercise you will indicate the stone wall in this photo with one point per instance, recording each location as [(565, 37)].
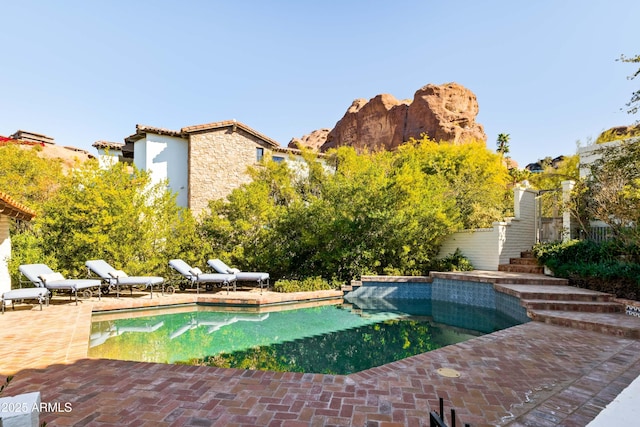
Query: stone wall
[(218, 161)]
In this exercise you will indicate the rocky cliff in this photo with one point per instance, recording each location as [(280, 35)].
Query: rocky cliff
[(444, 113)]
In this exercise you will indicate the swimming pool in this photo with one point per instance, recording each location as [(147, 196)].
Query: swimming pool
[(332, 338)]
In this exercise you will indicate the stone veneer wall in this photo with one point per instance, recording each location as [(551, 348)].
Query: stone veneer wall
[(218, 161)]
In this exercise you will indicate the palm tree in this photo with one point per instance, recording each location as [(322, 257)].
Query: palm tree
[(503, 143)]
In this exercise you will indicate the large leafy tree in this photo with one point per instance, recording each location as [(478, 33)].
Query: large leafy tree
[(372, 213), (27, 177), (114, 214)]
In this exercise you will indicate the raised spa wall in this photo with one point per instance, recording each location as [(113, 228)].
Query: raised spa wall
[(440, 287)]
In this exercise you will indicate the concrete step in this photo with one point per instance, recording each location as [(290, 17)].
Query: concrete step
[(553, 293), (582, 306), (517, 268), (617, 324)]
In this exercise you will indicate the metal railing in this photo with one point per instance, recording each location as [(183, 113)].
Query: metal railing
[(437, 419)]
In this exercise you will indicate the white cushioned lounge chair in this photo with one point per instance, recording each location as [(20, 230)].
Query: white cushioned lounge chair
[(195, 276), (39, 294), (242, 276), (43, 277), (117, 278)]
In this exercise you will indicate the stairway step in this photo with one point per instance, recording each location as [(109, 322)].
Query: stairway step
[(553, 292), (526, 254), (524, 261), (617, 324), (565, 305), (516, 268)]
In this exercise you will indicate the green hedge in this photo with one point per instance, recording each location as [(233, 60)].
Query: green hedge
[(304, 285), (610, 266)]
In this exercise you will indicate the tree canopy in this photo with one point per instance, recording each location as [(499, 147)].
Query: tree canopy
[(370, 213), (113, 214)]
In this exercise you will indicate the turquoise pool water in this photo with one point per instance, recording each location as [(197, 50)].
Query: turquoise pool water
[(338, 339)]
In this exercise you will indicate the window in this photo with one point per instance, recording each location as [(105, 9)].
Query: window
[(259, 153), (277, 159)]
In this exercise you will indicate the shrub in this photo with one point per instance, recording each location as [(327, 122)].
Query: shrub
[(453, 262), (607, 267), (304, 285)]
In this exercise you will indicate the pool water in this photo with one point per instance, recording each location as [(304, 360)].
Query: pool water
[(336, 338)]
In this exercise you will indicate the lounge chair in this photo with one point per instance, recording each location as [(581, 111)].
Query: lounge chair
[(40, 294), (43, 277), (241, 276), (116, 278), (195, 276)]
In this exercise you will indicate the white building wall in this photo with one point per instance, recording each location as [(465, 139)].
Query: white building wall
[(108, 158), (165, 157), (5, 253), (520, 233), (487, 248), (480, 246)]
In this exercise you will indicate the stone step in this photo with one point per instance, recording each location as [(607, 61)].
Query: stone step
[(524, 261), (352, 286), (582, 306), (617, 324), (517, 268), (500, 277), (553, 292), (527, 254)]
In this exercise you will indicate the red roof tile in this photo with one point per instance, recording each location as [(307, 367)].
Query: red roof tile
[(11, 208)]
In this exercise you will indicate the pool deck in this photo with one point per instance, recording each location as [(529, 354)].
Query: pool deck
[(535, 374)]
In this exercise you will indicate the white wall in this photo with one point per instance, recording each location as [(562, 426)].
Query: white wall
[(165, 157), (5, 253), (487, 248), (108, 158)]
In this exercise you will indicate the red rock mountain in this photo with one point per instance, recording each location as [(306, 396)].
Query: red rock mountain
[(444, 113)]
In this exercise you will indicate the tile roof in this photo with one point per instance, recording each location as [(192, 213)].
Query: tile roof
[(233, 124), (108, 145), (11, 208)]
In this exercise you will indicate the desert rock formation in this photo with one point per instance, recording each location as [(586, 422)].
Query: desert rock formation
[(444, 113)]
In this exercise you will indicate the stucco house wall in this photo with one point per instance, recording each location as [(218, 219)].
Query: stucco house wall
[(9, 208), (5, 254), (166, 158), (487, 248)]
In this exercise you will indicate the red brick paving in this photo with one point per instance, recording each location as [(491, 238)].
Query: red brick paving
[(534, 374)]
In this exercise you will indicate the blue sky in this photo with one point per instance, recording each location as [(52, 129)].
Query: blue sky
[(544, 72)]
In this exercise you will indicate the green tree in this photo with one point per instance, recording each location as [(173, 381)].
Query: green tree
[(549, 181), (477, 178), (113, 214), (503, 144), (375, 213), (611, 192), (27, 177)]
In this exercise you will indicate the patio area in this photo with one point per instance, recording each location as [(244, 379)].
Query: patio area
[(532, 374)]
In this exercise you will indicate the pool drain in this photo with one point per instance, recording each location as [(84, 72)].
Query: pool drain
[(448, 372)]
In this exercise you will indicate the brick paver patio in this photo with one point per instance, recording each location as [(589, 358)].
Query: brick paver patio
[(534, 374)]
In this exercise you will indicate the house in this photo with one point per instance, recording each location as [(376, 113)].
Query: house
[(9, 209), (540, 165), (200, 163)]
